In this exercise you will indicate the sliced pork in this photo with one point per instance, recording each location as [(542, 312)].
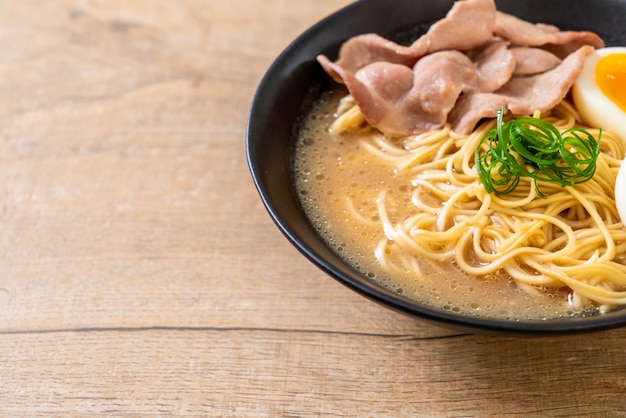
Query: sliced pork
[(467, 66), (521, 95)]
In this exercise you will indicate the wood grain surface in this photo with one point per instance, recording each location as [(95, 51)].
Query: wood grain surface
[(140, 274)]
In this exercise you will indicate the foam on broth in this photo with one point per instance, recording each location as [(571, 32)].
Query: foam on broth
[(338, 182)]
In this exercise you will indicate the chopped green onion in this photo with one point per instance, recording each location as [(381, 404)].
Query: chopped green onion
[(533, 147)]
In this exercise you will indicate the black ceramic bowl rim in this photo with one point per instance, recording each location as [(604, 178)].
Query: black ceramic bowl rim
[(282, 95)]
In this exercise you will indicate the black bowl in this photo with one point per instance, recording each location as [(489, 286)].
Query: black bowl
[(295, 77)]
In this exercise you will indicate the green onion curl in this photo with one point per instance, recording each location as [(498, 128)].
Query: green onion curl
[(533, 147)]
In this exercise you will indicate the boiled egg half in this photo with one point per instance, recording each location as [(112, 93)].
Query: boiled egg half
[(600, 90), (600, 96)]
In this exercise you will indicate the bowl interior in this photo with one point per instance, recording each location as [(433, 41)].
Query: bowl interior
[(295, 79)]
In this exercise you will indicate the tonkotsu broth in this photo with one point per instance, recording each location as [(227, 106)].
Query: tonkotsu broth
[(338, 182)]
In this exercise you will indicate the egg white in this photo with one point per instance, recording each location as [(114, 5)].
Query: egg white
[(594, 107)]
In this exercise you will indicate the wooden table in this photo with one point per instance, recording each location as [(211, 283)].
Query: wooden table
[(141, 275)]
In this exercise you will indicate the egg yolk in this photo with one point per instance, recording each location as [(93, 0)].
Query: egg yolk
[(611, 78)]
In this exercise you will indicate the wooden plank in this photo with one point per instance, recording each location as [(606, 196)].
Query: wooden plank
[(265, 372)]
